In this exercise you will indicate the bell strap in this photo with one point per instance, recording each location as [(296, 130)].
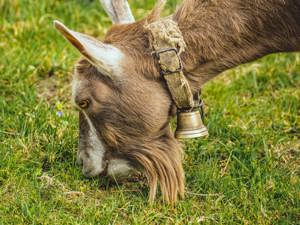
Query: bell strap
[(168, 43)]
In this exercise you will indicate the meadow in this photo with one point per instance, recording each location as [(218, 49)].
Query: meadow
[(246, 172)]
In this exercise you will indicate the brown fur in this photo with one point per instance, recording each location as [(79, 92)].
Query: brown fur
[(132, 115), (220, 34)]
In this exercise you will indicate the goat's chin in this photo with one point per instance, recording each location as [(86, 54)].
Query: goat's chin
[(119, 168)]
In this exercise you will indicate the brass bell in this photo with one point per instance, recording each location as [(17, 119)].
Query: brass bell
[(190, 125)]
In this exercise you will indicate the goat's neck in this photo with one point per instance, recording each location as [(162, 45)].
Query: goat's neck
[(222, 35)]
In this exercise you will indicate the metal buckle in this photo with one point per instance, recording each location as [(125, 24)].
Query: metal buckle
[(157, 56)]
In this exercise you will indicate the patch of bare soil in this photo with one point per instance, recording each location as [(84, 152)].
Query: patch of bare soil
[(54, 88), (289, 154)]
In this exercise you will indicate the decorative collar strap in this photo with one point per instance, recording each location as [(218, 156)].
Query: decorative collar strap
[(167, 43)]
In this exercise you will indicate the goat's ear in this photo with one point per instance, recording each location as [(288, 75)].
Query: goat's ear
[(106, 58)]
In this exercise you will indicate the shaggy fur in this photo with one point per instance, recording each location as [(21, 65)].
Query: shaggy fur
[(132, 115)]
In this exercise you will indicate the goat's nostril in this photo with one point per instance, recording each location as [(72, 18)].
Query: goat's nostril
[(87, 172), (103, 173), (105, 166)]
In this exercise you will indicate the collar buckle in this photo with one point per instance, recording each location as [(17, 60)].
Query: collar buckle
[(157, 53)]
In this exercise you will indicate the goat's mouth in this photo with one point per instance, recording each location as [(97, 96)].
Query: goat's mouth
[(114, 168), (159, 161), (119, 168)]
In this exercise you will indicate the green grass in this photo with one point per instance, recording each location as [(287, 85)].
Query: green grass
[(246, 172)]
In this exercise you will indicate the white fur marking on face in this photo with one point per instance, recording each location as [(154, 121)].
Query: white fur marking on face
[(75, 86), (93, 165), (118, 168)]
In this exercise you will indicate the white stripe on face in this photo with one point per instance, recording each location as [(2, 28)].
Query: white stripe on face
[(92, 155), (76, 83)]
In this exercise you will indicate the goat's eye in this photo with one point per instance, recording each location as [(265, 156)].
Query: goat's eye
[(83, 104)]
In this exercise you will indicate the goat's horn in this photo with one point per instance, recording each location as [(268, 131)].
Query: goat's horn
[(118, 11)]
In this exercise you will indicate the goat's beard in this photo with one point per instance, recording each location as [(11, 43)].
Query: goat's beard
[(159, 158), (161, 162)]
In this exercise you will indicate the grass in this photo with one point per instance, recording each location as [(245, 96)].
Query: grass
[(246, 172)]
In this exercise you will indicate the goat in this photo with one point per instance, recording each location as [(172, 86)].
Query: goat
[(124, 105)]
